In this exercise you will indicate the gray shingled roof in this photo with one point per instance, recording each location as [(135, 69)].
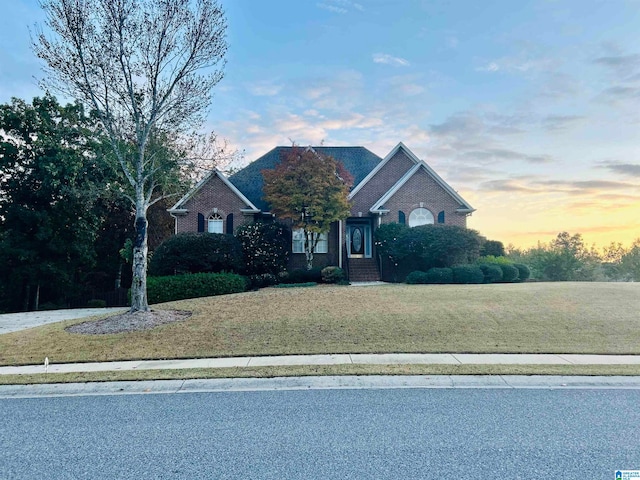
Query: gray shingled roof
[(357, 160)]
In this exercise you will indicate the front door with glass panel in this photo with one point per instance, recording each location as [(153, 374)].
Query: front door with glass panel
[(359, 240)]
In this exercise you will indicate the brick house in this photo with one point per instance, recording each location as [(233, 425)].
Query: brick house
[(397, 188)]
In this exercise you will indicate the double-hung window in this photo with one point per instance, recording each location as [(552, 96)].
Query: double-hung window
[(298, 242), (215, 224)]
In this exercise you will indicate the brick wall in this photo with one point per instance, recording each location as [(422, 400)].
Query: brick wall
[(213, 194), (382, 181), (421, 187)]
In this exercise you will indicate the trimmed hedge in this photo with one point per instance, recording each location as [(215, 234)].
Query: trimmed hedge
[(439, 275), (465, 274), (524, 272), (302, 276), (262, 280), (332, 274), (195, 253), (492, 273), (431, 276), (509, 273), (180, 287), (417, 277)]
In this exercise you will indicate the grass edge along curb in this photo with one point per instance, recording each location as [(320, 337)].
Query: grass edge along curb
[(320, 370)]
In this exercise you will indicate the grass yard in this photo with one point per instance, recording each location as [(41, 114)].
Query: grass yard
[(599, 318)]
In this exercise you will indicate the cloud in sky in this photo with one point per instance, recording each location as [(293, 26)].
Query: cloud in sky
[(627, 169), (624, 66), (531, 120), (340, 6), (264, 89), (387, 59)]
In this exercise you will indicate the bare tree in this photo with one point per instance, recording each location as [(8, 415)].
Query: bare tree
[(146, 68)]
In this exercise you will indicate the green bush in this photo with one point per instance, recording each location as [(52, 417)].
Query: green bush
[(302, 275), (179, 287), (439, 275), (493, 260), (427, 246), (263, 280), (196, 253), (96, 303), (492, 273), (417, 277), (524, 272), (265, 246), (492, 248), (509, 273), (465, 274), (332, 274)]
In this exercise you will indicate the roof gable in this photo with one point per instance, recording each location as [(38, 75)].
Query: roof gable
[(179, 206), (464, 205), (378, 167), (358, 161)]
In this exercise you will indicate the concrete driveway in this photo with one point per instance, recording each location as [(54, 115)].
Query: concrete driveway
[(12, 322)]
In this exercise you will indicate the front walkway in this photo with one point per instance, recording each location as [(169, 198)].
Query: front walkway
[(338, 359)]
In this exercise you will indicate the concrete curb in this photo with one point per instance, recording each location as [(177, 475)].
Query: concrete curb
[(508, 382)]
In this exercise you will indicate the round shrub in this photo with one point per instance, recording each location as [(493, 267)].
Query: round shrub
[(465, 274), (195, 253), (417, 277), (524, 272), (509, 273), (265, 246), (439, 275), (492, 273), (332, 274)]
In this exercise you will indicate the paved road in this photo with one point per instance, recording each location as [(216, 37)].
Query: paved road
[(324, 434)]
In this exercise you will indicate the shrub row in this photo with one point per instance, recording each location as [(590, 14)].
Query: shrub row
[(471, 274), (179, 287)]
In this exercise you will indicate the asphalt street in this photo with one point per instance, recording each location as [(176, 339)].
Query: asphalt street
[(324, 434)]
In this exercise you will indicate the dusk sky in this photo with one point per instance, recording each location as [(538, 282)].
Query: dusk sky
[(529, 109)]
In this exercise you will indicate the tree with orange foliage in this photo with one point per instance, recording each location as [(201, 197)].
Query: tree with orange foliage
[(311, 191)]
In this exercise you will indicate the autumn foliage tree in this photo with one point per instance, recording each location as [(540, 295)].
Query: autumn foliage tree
[(311, 191)]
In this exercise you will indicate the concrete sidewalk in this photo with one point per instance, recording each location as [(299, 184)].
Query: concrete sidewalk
[(13, 322), (338, 359)]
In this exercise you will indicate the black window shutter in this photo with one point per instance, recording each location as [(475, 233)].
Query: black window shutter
[(401, 217), (441, 217), (200, 222), (230, 224)]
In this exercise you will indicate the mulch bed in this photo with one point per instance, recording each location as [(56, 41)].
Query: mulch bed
[(129, 322)]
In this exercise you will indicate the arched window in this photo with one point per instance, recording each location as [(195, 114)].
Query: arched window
[(215, 224), (401, 217), (420, 216)]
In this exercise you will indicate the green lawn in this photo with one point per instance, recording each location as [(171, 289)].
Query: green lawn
[(601, 318)]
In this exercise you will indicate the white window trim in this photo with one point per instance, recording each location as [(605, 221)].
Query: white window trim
[(297, 243), (420, 216), (215, 224)]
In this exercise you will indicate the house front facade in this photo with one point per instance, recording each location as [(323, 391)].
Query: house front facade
[(397, 188)]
